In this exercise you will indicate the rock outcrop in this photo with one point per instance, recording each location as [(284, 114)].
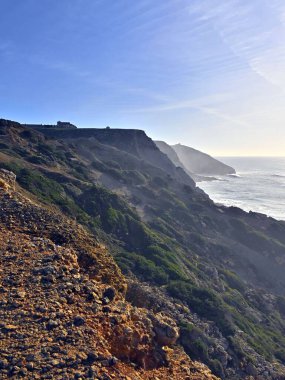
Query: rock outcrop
[(7, 179)]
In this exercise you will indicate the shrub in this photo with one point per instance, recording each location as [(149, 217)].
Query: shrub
[(280, 355), (217, 368), (233, 280), (143, 268), (196, 345), (204, 302)]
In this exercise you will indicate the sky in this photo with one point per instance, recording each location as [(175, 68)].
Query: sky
[(205, 73)]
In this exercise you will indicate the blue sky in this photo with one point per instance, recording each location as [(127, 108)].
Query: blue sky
[(206, 73)]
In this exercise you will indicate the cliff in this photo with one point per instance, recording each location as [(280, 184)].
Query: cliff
[(170, 152), (172, 155), (201, 163), (216, 272), (134, 142)]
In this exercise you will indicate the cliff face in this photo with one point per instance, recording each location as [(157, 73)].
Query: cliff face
[(217, 272), (200, 163), (130, 141), (172, 155), (63, 312), (170, 152)]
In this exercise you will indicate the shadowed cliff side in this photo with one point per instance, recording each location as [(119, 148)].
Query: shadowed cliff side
[(134, 142)]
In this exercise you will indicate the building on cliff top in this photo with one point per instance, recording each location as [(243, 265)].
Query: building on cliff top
[(59, 124)]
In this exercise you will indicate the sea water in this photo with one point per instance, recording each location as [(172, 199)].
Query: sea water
[(259, 185)]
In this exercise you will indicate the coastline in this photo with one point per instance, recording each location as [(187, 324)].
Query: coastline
[(258, 186)]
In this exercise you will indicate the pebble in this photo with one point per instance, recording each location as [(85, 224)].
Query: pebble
[(79, 321)]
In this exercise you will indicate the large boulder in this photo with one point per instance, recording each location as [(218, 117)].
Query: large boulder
[(7, 179), (166, 330)]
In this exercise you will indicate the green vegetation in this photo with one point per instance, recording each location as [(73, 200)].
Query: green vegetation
[(47, 190), (233, 280), (142, 267), (113, 169), (196, 344), (204, 302)]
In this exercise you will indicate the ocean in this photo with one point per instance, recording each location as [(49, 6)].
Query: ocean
[(259, 185)]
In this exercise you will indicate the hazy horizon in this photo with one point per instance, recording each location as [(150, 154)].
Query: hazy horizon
[(209, 73), (215, 155)]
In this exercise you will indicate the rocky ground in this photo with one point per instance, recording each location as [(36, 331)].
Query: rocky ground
[(152, 298), (63, 313)]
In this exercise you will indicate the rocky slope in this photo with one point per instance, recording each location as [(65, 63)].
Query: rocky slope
[(217, 271), (201, 163), (63, 312)]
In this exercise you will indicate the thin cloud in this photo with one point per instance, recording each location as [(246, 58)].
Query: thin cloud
[(197, 104), (225, 117), (184, 104), (261, 45)]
